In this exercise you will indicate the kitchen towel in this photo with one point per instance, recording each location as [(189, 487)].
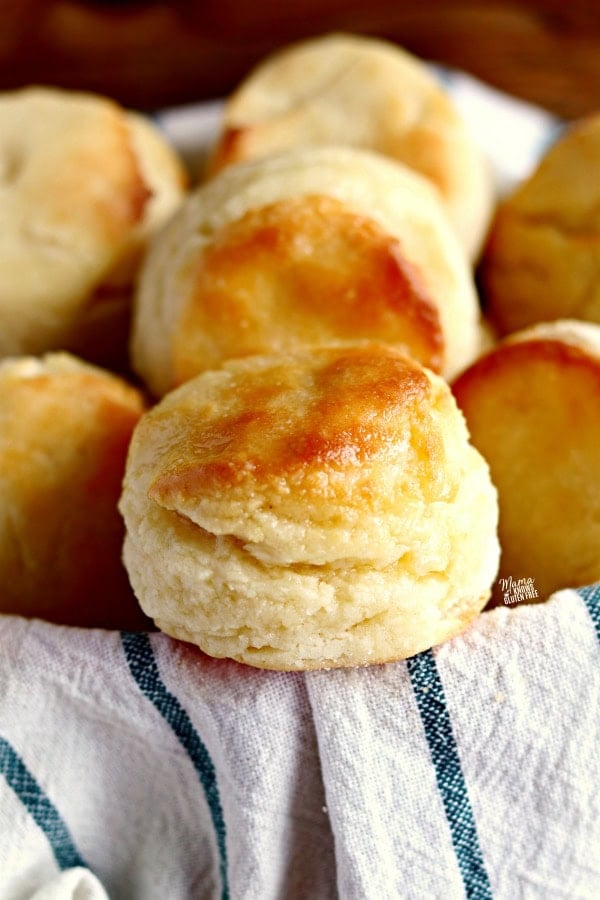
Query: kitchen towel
[(136, 767)]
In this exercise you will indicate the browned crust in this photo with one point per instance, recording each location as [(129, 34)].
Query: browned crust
[(62, 559), (300, 272), (520, 353), (533, 409), (293, 421)]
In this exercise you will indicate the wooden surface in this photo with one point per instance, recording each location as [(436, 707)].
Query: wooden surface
[(149, 55)]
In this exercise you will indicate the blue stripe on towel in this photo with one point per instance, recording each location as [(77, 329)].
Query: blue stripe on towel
[(143, 666), (431, 703), (591, 597), (39, 806)]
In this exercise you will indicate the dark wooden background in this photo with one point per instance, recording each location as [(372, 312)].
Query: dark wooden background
[(149, 55)]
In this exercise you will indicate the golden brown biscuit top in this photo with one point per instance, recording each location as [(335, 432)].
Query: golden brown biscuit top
[(65, 429), (328, 454), (563, 192), (536, 387), (266, 419), (533, 409), (542, 253), (41, 399), (558, 354), (298, 272)]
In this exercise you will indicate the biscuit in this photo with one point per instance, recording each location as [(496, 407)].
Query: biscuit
[(310, 510), (77, 179), (65, 428), (541, 261), (361, 92), (532, 406), (101, 333), (166, 181), (314, 246)]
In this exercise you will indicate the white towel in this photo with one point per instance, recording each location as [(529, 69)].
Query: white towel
[(135, 767), (469, 771)]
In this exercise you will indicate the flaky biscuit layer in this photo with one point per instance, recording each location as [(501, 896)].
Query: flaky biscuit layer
[(309, 511)]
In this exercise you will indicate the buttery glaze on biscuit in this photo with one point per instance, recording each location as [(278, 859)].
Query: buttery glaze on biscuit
[(283, 423), (315, 509), (309, 247), (310, 269), (533, 410)]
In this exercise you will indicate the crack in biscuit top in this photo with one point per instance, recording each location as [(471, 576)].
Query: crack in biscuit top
[(281, 419)]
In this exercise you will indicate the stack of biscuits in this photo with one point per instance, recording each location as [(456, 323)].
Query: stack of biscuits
[(300, 490)]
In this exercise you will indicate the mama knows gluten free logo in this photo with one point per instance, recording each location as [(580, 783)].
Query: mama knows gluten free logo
[(515, 590)]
